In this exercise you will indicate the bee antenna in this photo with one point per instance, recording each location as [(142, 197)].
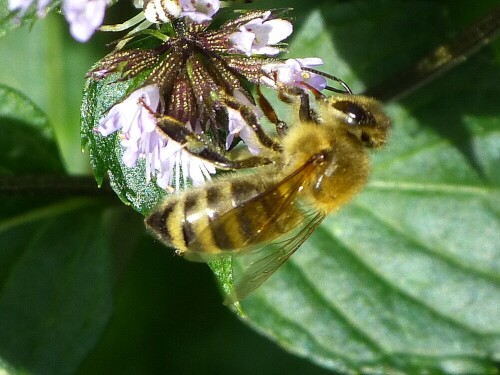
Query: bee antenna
[(346, 90)]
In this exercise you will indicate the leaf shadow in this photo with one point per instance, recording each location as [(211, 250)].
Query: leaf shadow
[(457, 105)]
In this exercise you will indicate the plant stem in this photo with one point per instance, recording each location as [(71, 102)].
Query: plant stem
[(52, 185), (438, 61)]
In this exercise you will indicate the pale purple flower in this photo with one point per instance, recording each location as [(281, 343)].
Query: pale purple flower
[(258, 36), (200, 11), (125, 115), (137, 124), (84, 17), (239, 127), (20, 5), (164, 158), (290, 73)]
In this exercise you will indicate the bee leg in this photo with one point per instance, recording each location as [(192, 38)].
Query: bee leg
[(305, 107), (250, 118), (306, 113), (202, 148), (270, 113)]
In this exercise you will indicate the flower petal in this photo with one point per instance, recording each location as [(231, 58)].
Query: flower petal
[(19, 5), (84, 17), (291, 73), (258, 35), (239, 127), (137, 124), (274, 31)]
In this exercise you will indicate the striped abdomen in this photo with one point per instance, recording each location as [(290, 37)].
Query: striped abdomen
[(220, 217)]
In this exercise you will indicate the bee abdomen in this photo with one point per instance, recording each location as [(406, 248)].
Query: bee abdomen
[(180, 220), (212, 221), (183, 222), (244, 215), (159, 222), (215, 219)]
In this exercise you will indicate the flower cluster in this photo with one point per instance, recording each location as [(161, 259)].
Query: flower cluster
[(195, 79)]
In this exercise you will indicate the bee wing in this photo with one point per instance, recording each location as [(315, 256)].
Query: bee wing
[(270, 242), (283, 210), (262, 262), (281, 216)]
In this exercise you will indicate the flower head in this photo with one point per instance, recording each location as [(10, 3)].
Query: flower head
[(200, 77), (197, 71)]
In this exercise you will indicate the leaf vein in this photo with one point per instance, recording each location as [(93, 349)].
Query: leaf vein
[(416, 187), (313, 291), (429, 250), (329, 354), (45, 212), (406, 295)]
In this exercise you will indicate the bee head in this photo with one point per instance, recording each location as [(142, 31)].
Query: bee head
[(360, 116)]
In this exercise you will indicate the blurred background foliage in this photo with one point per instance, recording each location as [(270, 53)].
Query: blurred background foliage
[(83, 288)]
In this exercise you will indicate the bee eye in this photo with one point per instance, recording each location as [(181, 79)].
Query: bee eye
[(356, 115)]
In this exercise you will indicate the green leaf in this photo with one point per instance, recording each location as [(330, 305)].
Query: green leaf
[(28, 151), (56, 297), (48, 66), (55, 260), (26, 143), (405, 279), (10, 20), (168, 319)]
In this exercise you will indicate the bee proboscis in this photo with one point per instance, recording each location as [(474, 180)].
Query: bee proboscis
[(324, 162)]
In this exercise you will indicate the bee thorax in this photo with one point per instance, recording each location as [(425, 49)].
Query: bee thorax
[(344, 172)]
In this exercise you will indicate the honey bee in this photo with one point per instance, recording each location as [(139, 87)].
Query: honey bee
[(267, 215)]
